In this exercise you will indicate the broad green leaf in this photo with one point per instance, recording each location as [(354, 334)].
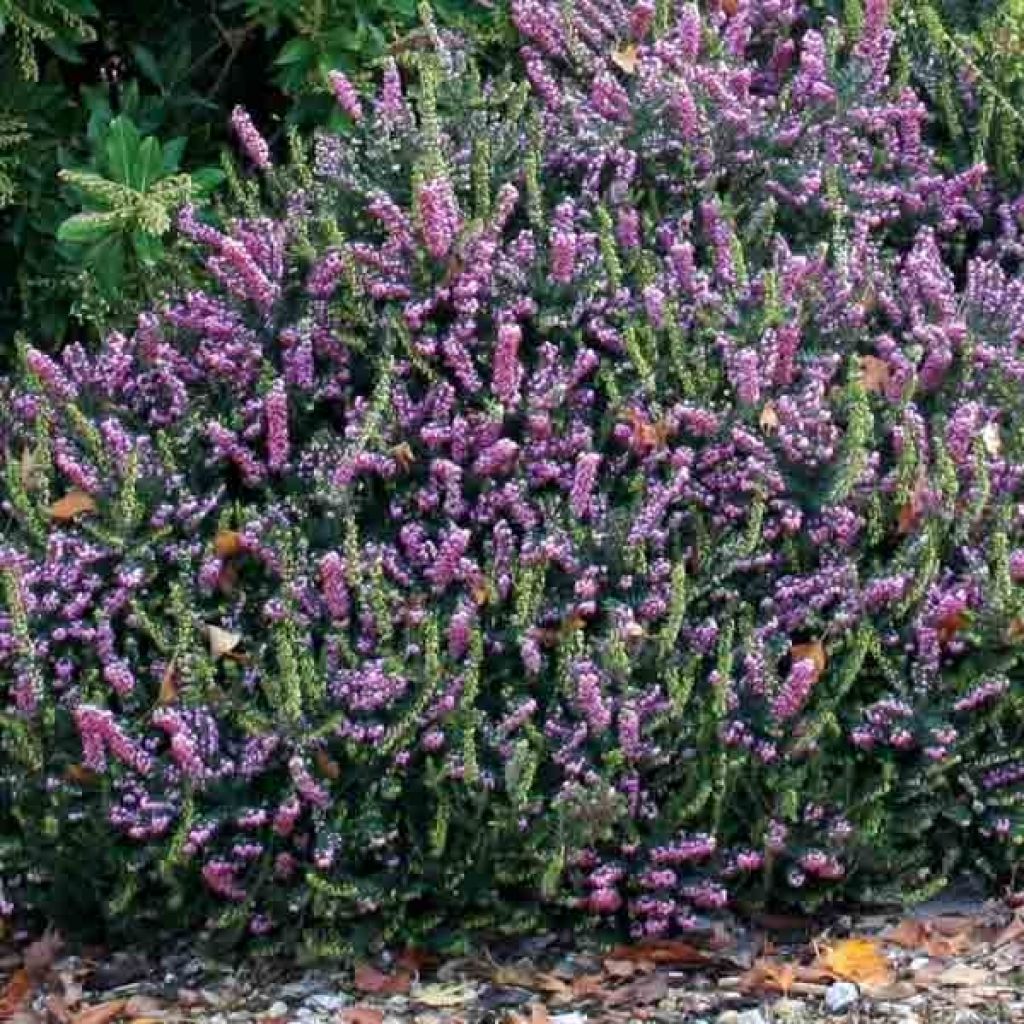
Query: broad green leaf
[(122, 151), (148, 248), (206, 179), (87, 227), (107, 261), (150, 165), (173, 151), (296, 51), (147, 64)]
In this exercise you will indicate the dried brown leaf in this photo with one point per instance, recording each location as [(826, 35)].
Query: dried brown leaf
[(74, 504), (624, 58), (404, 456), (79, 774), (661, 951), (813, 652), (222, 641), (57, 1009), (228, 544), (908, 933), (330, 769), (168, 684), (15, 994), (992, 439), (143, 1006), (963, 976), (1011, 933), (105, 1013), (361, 1015), (949, 625), (874, 374), (910, 514), (639, 993), (624, 969), (858, 960), (369, 979), (39, 956)]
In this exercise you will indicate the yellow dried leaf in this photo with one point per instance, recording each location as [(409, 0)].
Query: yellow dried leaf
[(169, 685), (444, 995), (910, 514), (769, 418), (403, 455), (75, 503), (813, 651), (102, 1014), (222, 641), (857, 960), (79, 774), (992, 439), (227, 543), (624, 58), (329, 768), (874, 373)]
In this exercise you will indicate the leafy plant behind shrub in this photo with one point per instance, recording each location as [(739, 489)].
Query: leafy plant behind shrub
[(607, 507), (62, 88)]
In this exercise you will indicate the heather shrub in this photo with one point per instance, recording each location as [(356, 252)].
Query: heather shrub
[(598, 499)]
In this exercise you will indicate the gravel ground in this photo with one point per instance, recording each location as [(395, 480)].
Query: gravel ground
[(950, 964)]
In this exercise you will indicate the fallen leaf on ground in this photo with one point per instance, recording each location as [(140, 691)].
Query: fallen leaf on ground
[(661, 951), (444, 995), (620, 968), (908, 933), (57, 1009), (39, 955), (1013, 931), (74, 504), (857, 960), (639, 993), (102, 1014), (963, 976), (369, 979), (15, 994), (361, 1015), (585, 987), (920, 935), (143, 1006), (893, 992), (411, 959)]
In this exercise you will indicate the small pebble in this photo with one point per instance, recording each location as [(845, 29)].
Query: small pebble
[(750, 1017), (789, 1011), (278, 1009), (327, 1002), (841, 996)]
